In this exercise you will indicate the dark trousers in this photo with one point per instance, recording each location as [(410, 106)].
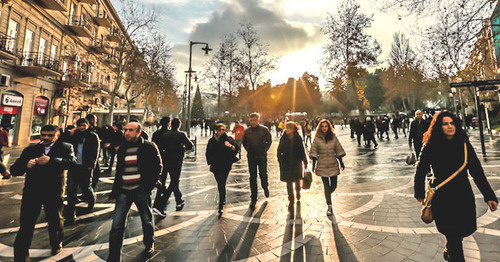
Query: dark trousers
[(455, 248), (124, 200), (255, 163), (352, 132), (329, 185), (163, 194), (290, 187), (31, 206), (221, 178), (112, 158), (79, 177), (371, 138), (95, 176), (417, 145), (105, 156), (359, 138)]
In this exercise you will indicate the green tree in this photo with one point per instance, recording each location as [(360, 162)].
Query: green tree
[(197, 109), (374, 91)]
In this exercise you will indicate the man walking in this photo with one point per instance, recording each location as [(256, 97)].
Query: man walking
[(257, 141), (96, 174), (173, 144), (116, 140), (86, 145), (417, 129), (162, 189), (138, 167), (44, 165)]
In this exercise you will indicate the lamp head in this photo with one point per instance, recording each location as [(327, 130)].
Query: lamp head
[(206, 49)]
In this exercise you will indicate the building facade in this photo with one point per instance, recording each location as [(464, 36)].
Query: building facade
[(57, 64)]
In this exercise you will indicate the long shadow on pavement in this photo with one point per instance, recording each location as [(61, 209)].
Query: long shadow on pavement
[(344, 250)]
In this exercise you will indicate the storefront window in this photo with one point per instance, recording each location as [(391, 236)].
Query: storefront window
[(39, 115), (11, 104)]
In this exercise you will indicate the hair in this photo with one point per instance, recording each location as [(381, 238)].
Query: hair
[(118, 125), (329, 133), (435, 135), (236, 122), (139, 126), (82, 121), (50, 128), (164, 121), (90, 117), (219, 126), (255, 114), (293, 125), (69, 127), (176, 123)]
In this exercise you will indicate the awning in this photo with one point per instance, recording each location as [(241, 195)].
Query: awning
[(119, 111)]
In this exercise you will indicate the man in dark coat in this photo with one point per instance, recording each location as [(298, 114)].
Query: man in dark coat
[(358, 128), (44, 165), (96, 174), (116, 140), (257, 141), (369, 132), (157, 137), (86, 145), (174, 144), (138, 168), (417, 129), (165, 124)]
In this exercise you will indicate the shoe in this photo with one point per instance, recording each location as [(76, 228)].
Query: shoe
[(446, 255), (159, 212), (329, 212), (91, 204), (252, 204), (149, 250), (266, 192), (375, 146), (56, 250), (179, 206)]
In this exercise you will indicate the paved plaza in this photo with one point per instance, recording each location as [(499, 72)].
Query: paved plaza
[(375, 216)]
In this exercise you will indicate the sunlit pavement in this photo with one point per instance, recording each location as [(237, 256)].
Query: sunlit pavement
[(375, 216)]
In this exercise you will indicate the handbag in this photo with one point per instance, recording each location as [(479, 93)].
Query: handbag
[(426, 212), (307, 179), (411, 159)]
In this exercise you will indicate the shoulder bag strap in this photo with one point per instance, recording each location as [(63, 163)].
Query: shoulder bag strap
[(456, 172)]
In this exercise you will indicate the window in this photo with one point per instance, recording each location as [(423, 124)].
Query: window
[(53, 52), (12, 32), (41, 50), (28, 40)]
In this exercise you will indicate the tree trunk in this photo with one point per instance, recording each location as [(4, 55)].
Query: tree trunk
[(144, 114), (129, 104), (111, 108)]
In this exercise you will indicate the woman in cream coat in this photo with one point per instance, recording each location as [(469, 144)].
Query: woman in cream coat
[(326, 153)]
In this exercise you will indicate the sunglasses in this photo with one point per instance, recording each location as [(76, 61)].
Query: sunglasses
[(222, 130), (47, 135)]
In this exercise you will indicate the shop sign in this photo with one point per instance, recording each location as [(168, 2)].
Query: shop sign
[(40, 106), (8, 110), (10, 100)]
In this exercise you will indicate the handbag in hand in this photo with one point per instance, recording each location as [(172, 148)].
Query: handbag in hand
[(411, 159), (307, 179), (426, 212)]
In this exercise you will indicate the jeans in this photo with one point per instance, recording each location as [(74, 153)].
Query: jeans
[(329, 185), (163, 194), (290, 187), (31, 206), (221, 178), (96, 175), (79, 176), (261, 164), (124, 200), (455, 248)]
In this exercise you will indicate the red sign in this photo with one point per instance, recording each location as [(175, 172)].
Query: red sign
[(40, 107), (8, 110)]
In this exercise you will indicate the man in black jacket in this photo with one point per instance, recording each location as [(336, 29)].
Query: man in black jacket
[(96, 174), (86, 145), (116, 140), (44, 165), (257, 141), (138, 168), (173, 144), (162, 189), (417, 129)]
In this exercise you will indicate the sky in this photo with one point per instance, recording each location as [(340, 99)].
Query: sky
[(290, 27)]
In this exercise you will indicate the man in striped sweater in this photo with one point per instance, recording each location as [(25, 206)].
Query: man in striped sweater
[(138, 169)]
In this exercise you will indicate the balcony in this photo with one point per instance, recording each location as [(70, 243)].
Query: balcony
[(90, 2), (111, 59), (81, 26), (7, 44), (100, 46), (59, 5), (103, 20), (39, 64), (114, 36), (76, 78)]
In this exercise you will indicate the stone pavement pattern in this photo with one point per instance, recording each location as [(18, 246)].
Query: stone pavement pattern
[(375, 217)]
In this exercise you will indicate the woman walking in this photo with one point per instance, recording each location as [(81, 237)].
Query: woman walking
[(453, 205), (326, 154), (221, 154), (291, 156)]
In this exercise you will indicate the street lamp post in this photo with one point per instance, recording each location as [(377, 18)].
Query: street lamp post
[(190, 73), (453, 92)]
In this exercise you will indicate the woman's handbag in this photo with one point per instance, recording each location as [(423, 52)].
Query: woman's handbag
[(307, 179), (426, 213), (411, 159)]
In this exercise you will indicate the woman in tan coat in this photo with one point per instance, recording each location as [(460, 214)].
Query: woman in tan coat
[(326, 154)]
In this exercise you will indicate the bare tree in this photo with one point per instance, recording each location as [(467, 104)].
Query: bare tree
[(348, 48), (256, 60), (137, 21)]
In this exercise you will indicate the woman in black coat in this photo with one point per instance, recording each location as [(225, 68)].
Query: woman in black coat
[(291, 155), (221, 154), (453, 205)]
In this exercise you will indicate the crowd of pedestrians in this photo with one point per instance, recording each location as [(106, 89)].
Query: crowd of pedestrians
[(142, 165)]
